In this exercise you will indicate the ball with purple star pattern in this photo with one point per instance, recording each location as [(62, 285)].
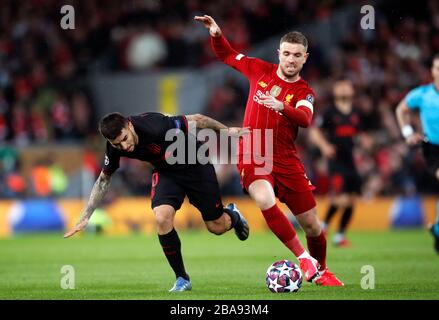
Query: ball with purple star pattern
[(283, 276)]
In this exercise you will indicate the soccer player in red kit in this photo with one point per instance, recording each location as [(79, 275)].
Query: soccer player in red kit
[(279, 102)]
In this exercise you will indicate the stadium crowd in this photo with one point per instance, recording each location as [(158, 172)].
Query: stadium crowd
[(44, 98)]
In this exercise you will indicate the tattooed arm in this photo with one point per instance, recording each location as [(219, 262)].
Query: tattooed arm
[(98, 193), (203, 122)]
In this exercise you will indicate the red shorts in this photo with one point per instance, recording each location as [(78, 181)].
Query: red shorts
[(295, 189)]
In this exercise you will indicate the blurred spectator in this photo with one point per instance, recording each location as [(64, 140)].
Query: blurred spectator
[(48, 178)]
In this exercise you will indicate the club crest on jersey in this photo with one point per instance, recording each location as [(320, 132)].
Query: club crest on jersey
[(262, 84), (275, 91), (288, 98), (310, 98)]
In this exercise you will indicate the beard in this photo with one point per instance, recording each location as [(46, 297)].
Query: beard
[(290, 74)]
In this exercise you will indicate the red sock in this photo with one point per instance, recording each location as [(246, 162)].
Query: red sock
[(282, 228), (317, 248)]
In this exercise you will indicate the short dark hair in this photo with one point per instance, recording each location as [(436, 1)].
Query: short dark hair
[(295, 37), (111, 125), (435, 57)]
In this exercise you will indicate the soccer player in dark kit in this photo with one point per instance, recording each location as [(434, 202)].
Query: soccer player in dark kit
[(334, 133), (144, 137), (279, 102)]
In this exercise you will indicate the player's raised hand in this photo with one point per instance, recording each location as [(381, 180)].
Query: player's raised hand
[(80, 226), (271, 102), (238, 132), (210, 24), (414, 139)]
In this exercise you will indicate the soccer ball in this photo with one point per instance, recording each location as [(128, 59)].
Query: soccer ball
[(283, 276)]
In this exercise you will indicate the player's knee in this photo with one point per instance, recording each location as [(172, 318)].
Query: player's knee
[(164, 219), (343, 200), (263, 200), (312, 229), (309, 223), (262, 193)]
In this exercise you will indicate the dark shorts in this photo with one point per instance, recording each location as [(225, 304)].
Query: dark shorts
[(431, 156), (346, 180), (198, 183)]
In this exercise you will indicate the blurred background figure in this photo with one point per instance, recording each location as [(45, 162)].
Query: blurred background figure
[(424, 98), (334, 133)]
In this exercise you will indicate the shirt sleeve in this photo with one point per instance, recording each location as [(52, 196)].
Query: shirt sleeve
[(111, 160), (414, 98), (301, 113), (240, 62)]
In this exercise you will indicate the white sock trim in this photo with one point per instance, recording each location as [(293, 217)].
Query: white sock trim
[(305, 254)]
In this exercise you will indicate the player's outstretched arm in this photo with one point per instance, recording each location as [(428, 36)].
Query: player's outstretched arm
[(250, 67), (403, 114), (203, 122), (210, 24), (98, 193)]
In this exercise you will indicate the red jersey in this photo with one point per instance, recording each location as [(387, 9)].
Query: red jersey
[(298, 99)]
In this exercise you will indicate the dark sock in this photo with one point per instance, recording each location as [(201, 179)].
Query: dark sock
[(330, 213), (234, 217), (345, 218), (171, 246)]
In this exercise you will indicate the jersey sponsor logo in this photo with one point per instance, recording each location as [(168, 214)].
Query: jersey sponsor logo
[(262, 84), (275, 91), (239, 56), (256, 98), (288, 98), (310, 98), (107, 160)]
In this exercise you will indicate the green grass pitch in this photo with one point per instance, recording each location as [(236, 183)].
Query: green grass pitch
[(221, 267)]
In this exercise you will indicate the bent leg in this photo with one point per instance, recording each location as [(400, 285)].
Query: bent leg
[(262, 193), (302, 205), (347, 213)]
